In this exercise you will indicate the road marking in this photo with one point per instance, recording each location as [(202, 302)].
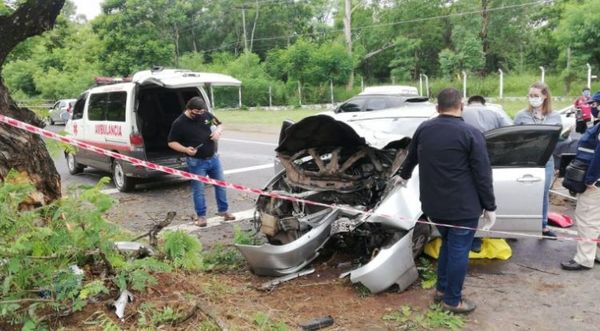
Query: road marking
[(258, 167), (564, 231), (250, 142), (213, 221), (226, 172), (109, 191)]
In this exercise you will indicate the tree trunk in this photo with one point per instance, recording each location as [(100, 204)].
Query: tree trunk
[(253, 28), (20, 150), (194, 41), (348, 35), (176, 31), (483, 34)]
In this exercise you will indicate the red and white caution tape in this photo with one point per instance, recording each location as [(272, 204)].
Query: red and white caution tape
[(183, 174)]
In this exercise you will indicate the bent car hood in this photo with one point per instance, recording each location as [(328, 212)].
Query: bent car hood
[(317, 131)]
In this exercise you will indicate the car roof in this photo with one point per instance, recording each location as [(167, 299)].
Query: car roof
[(403, 90), (424, 110)]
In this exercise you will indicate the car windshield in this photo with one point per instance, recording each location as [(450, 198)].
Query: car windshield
[(402, 126)]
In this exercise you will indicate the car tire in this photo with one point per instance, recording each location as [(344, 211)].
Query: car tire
[(122, 182), (51, 120), (420, 237), (72, 164)]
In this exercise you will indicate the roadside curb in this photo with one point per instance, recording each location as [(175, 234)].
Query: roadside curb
[(212, 222)]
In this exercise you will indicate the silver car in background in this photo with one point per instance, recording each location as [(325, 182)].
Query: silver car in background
[(349, 164), (61, 111)]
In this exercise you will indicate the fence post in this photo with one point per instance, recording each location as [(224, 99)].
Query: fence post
[(421, 84), (299, 93), (464, 73), (589, 75), (543, 73), (240, 97), (331, 91), (212, 97), (362, 84), (501, 92), (426, 84), (270, 98)]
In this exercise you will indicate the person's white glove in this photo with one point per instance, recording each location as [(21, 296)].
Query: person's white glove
[(488, 220)]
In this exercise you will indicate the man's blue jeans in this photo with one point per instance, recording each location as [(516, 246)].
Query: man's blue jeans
[(454, 258), (212, 168)]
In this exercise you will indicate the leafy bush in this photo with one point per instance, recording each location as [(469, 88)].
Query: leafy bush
[(40, 248), (183, 250), (53, 259)]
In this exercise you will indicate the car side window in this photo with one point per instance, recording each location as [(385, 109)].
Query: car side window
[(97, 106), (56, 105), (115, 110), (376, 104), (78, 108), (352, 106), (519, 146)]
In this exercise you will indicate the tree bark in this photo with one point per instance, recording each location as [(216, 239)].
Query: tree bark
[(348, 35), (483, 34), (21, 150), (254, 27)]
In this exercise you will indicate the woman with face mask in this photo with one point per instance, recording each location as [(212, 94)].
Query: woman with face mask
[(540, 111)]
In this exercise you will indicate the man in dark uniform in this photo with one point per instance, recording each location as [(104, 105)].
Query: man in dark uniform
[(195, 133), (455, 179)]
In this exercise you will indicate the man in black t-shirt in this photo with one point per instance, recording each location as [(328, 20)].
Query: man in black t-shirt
[(195, 133)]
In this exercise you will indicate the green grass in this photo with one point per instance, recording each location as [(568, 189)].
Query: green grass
[(261, 120)]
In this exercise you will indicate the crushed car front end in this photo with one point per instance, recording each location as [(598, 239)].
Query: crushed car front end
[(358, 207)]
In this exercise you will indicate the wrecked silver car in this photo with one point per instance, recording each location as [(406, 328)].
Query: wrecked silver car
[(326, 161), (348, 166)]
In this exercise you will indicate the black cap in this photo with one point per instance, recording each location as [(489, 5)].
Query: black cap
[(196, 103)]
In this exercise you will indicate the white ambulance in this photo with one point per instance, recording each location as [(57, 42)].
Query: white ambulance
[(134, 118)]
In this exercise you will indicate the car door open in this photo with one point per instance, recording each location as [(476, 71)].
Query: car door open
[(518, 155)]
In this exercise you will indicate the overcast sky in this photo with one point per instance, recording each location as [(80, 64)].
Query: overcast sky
[(89, 8)]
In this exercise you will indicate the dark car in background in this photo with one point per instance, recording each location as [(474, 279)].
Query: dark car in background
[(380, 97)]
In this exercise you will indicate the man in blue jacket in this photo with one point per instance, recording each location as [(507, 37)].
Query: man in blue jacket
[(455, 179)]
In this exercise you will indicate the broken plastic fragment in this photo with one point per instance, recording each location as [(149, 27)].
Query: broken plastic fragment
[(121, 302)]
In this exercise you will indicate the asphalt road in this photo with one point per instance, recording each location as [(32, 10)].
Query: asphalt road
[(247, 159)]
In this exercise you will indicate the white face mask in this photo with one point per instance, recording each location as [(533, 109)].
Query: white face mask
[(536, 101)]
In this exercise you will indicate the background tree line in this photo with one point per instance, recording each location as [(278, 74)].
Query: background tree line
[(285, 43)]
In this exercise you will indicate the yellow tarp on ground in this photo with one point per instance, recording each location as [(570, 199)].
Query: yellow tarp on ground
[(490, 249)]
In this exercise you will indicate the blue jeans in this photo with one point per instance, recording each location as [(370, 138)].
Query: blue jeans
[(212, 168), (454, 258), (549, 176)]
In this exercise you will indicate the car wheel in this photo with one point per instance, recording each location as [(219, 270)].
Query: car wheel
[(51, 120), (72, 164), (420, 238), (122, 182)]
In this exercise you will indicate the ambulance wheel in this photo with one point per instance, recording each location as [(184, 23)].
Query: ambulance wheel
[(420, 238), (72, 164), (122, 182)]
